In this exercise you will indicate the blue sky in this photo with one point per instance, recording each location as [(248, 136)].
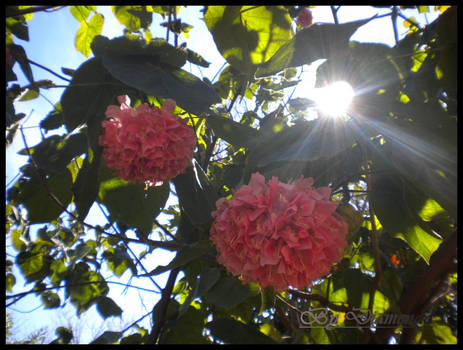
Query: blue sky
[(52, 45)]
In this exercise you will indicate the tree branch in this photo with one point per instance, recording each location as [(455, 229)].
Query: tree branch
[(30, 10), (48, 70), (162, 305), (442, 262)]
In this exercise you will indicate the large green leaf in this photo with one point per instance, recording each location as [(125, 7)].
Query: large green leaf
[(91, 90), (310, 44), (50, 300), (108, 337), (237, 134), (119, 260), (144, 73), (55, 152), (37, 198), (107, 307), (364, 66), (86, 185), (159, 50), (196, 195), (87, 31), (187, 329), (206, 281), (397, 204), (81, 13), (437, 332), (234, 332), (129, 203), (133, 17), (85, 287), (34, 263), (248, 35), (229, 292), (323, 139), (184, 256)]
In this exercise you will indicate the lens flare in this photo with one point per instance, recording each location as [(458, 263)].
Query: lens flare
[(334, 100)]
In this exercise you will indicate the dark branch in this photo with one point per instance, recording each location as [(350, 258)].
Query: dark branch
[(412, 300)]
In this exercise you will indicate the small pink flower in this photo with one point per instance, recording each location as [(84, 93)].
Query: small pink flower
[(304, 18), (278, 234), (145, 144)]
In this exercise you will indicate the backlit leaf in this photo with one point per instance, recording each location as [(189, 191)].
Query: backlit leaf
[(162, 81), (258, 32), (86, 32), (312, 43)]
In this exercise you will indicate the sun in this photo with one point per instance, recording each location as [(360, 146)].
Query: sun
[(334, 100)]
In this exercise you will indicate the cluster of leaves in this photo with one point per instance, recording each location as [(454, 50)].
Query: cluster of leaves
[(399, 147)]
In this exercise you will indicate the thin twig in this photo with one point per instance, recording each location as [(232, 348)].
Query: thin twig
[(334, 11), (374, 232), (394, 23), (48, 70), (31, 10), (129, 249), (162, 305), (34, 290)]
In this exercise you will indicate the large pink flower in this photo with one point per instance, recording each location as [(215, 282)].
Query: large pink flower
[(278, 234), (146, 144), (304, 18)]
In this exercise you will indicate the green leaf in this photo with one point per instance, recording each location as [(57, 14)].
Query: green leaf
[(184, 256), (34, 264), (19, 54), (53, 120), (310, 44), (18, 28), (80, 13), (248, 35), (107, 307), (86, 186), (87, 32), (107, 337), (196, 195), (186, 329), (58, 271), (16, 236), (229, 292), (64, 336), (55, 152), (141, 72), (370, 64), (41, 207), (159, 50), (85, 287), (88, 95), (50, 300), (133, 17), (234, 332), (203, 284), (119, 260), (437, 332), (10, 282), (397, 204), (195, 58), (136, 338), (305, 142), (129, 202), (233, 132)]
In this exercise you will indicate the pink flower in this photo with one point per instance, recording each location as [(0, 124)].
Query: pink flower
[(146, 144), (304, 18), (278, 234)]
